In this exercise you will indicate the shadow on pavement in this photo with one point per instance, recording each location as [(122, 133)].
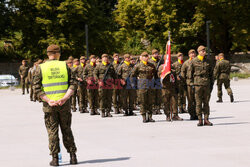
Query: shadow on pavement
[(100, 160), (232, 123), (242, 101)]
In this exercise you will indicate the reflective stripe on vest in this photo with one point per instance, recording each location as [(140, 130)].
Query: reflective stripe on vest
[(54, 79)]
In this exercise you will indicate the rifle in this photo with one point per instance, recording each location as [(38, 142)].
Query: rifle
[(129, 75), (119, 66)]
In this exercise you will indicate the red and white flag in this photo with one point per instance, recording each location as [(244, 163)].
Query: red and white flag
[(167, 62)]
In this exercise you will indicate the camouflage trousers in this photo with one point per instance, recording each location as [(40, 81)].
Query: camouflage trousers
[(191, 101), (32, 95), (93, 98), (116, 98), (170, 102), (145, 100), (105, 99), (81, 93), (74, 99), (127, 99), (25, 84), (226, 83), (55, 117), (202, 97), (182, 93), (156, 97)]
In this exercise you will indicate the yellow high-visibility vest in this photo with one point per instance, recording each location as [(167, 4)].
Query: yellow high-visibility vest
[(54, 79)]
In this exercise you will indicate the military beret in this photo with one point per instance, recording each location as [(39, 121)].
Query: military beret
[(179, 54), (191, 51), (126, 56), (144, 54), (201, 48), (115, 54), (91, 57), (75, 60), (154, 51), (53, 48), (82, 57), (104, 55)]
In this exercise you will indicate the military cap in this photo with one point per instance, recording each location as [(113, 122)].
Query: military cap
[(82, 57), (115, 54), (144, 54), (126, 56), (91, 57), (75, 60), (105, 55), (53, 48), (69, 61), (154, 51), (179, 54), (191, 51), (221, 54), (201, 48), (71, 58), (39, 61)]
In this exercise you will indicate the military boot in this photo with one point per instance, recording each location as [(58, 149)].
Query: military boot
[(231, 98), (154, 112), (121, 112), (96, 112), (158, 112), (184, 110), (73, 159), (150, 119), (81, 110), (131, 113), (85, 110), (108, 114), (219, 100), (103, 114), (54, 161), (207, 122), (168, 119), (116, 111), (177, 118), (200, 123), (125, 113), (92, 112), (144, 120)]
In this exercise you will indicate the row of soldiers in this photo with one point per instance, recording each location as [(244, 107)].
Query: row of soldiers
[(129, 82)]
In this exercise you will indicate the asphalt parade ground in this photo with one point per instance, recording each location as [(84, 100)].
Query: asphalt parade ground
[(127, 142)]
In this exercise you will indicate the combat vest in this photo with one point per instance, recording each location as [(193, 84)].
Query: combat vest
[(55, 79)]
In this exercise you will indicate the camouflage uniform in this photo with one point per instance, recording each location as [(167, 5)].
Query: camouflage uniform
[(190, 90), (88, 73), (30, 79), (57, 116), (127, 93), (181, 88), (116, 96), (157, 93), (201, 75), (23, 71), (74, 98), (222, 74), (105, 93), (169, 95), (145, 74), (81, 90)]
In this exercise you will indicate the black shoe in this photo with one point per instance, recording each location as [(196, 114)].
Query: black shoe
[(219, 100), (231, 98), (73, 159), (54, 161)]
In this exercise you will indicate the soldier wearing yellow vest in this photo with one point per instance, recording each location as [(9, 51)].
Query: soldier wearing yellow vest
[(53, 83)]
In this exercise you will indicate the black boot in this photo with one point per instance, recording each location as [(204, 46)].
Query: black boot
[(73, 159), (231, 98), (144, 119), (200, 123), (54, 161), (92, 112), (150, 119), (219, 100), (131, 113), (125, 113), (103, 114), (96, 112)]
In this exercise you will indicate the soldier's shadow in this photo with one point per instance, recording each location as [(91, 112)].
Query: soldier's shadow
[(232, 123), (100, 160)]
